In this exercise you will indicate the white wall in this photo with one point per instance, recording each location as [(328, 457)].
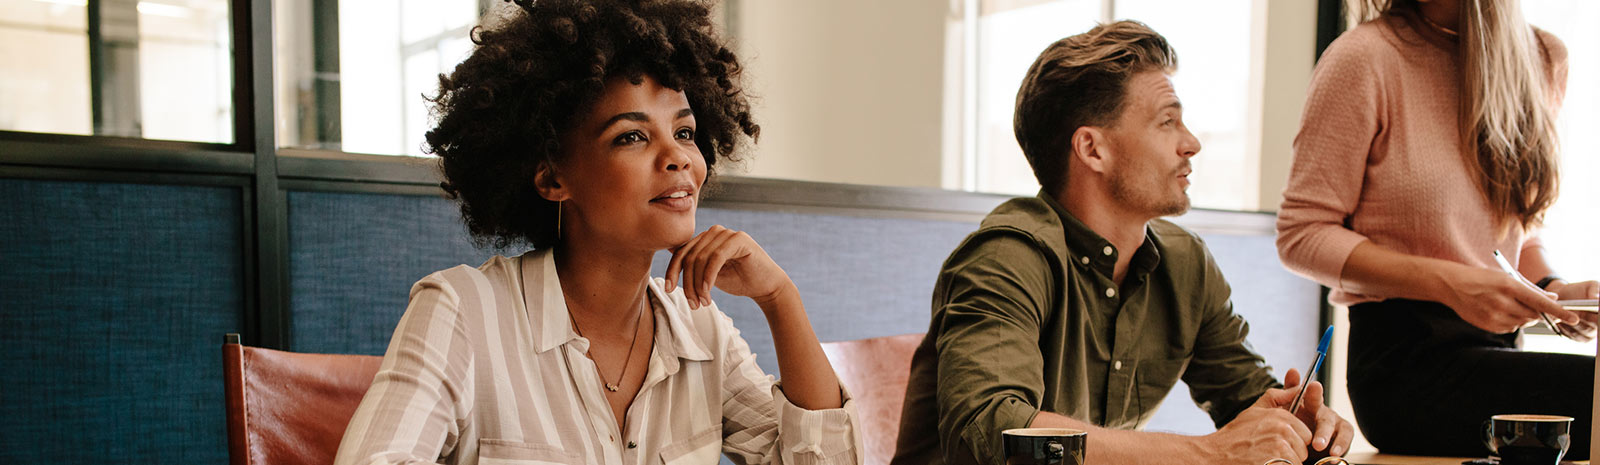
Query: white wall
[(1285, 57), (856, 91), (845, 90)]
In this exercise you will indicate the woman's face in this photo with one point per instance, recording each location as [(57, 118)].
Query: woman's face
[(630, 176)]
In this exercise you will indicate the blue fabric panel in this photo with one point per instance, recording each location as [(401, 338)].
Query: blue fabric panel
[(1283, 311), (113, 302), (354, 257), (859, 277)]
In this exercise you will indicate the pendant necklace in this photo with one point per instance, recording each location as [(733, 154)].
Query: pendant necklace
[(613, 387)]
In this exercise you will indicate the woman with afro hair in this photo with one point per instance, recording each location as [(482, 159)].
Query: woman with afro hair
[(586, 130)]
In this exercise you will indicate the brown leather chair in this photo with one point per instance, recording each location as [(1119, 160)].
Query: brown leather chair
[(875, 371), (287, 408)]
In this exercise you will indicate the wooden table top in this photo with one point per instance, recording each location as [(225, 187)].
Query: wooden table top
[(1374, 458)]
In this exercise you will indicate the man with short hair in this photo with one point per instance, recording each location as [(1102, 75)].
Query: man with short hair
[(1079, 308)]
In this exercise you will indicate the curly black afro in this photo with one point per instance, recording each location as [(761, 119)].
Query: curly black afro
[(501, 112)]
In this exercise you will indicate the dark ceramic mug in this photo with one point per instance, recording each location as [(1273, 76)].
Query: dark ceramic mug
[(1528, 439), (1044, 446)]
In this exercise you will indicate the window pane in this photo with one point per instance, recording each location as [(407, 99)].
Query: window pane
[(185, 81), (352, 74), (1212, 39), (44, 79), (1213, 43), (164, 69), (1009, 39), (1571, 224)]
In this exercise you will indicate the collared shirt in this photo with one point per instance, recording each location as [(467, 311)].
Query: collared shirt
[(474, 375), (1026, 318)]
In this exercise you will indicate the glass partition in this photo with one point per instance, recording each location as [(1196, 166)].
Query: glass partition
[(352, 74), (146, 69)]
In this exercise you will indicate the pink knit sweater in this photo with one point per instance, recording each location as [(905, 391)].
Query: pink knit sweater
[(1378, 157)]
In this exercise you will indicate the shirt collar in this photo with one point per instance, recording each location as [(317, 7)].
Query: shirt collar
[(1088, 249), (547, 309), (680, 339)]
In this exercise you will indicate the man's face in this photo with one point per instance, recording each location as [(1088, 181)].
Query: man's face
[(1149, 149)]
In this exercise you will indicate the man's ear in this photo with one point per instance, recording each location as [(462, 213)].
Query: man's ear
[(1089, 147), (548, 181)]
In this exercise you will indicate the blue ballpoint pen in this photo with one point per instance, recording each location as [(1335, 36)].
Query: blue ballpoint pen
[(1322, 352)]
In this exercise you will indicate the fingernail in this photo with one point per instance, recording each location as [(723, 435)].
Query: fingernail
[(1336, 450), (1320, 443)]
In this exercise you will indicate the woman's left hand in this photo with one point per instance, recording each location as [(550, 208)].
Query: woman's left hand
[(729, 260), (1584, 330)]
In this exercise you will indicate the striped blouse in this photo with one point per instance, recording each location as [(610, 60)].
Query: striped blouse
[(473, 375)]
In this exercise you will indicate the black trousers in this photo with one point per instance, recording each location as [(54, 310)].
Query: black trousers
[(1423, 381)]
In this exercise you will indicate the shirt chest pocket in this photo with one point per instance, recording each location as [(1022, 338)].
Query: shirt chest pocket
[(702, 448), (503, 452)]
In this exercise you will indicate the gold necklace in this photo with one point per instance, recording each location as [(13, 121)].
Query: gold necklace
[(613, 387), (1436, 26)]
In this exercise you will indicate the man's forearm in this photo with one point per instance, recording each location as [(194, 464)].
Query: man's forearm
[(1120, 447)]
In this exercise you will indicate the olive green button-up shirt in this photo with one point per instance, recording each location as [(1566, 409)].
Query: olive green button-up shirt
[(1026, 318)]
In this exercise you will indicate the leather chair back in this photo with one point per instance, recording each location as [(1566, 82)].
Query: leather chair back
[(287, 408), (875, 371)]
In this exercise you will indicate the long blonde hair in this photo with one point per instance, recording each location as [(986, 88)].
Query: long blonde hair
[(1506, 112)]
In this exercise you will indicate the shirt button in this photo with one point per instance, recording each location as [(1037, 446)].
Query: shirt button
[(1117, 365), (1107, 250), (1111, 292), (1084, 259), (632, 444)]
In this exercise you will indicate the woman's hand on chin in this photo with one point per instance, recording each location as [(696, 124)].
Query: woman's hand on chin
[(729, 260)]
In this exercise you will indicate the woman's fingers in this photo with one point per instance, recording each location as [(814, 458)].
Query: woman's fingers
[(675, 265), (699, 265), (696, 265), (1546, 303), (1580, 290), (708, 262), (714, 261), (1540, 301), (692, 263), (678, 271)]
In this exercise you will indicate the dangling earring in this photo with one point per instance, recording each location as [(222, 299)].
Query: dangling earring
[(558, 219)]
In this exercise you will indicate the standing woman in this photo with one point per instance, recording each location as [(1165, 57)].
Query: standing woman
[(1428, 143), (586, 129)]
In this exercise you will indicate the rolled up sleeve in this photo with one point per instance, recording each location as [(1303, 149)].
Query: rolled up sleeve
[(1226, 375), (760, 425), (990, 370), (817, 436), (1331, 152)]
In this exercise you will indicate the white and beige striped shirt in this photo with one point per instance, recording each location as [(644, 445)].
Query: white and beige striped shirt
[(473, 375)]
